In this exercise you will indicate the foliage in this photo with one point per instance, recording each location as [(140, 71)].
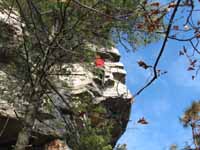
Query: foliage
[(191, 119), (173, 147), (94, 130), (191, 114), (90, 139)]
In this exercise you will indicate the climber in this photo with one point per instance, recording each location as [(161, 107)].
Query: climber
[(99, 62), (100, 68)]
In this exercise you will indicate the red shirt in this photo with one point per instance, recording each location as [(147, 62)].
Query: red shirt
[(99, 62)]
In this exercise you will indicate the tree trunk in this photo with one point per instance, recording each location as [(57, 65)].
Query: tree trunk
[(24, 135), (194, 137)]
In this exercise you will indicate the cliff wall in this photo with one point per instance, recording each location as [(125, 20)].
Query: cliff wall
[(97, 97)]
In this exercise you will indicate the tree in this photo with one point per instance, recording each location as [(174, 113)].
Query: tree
[(56, 33), (185, 147), (191, 119), (185, 31), (121, 147), (173, 147)]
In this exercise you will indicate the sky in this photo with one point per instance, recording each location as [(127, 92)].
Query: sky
[(163, 103)]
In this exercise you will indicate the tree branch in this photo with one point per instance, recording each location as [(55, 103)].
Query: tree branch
[(161, 52)]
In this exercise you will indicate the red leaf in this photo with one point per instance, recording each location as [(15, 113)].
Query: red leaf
[(155, 12), (143, 64), (151, 27), (181, 53), (190, 69), (198, 35), (142, 121), (193, 63), (176, 27)]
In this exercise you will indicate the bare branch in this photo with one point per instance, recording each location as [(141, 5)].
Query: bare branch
[(97, 11), (160, 52)]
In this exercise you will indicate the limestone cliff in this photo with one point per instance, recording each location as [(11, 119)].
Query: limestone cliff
[(95, 95)]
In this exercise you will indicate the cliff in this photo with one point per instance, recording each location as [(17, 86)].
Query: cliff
[(86, 98)]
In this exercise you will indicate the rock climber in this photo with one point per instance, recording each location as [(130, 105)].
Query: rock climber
[(100, 66)]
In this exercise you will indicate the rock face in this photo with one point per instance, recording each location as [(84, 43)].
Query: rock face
[(104, 86), (110, 85)]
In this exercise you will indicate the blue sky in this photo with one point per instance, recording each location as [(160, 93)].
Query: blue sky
[(164, 101)]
